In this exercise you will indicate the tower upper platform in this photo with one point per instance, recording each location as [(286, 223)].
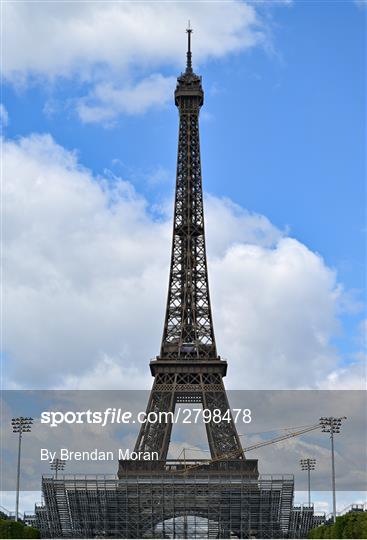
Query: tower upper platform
[(189, 89)]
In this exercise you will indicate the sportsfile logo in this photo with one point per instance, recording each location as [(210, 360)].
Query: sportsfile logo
[(108, 416), (119, 416)]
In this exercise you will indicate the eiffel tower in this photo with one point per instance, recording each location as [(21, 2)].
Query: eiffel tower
[(188, 369), (171, 498)]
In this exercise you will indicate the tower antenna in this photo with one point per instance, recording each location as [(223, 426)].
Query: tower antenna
[(188, 54)]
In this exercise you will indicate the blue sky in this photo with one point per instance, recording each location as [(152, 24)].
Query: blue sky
[(282, 127), (285, 136), (282, 138)]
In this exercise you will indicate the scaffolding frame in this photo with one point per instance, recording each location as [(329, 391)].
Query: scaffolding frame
[(204, 502)]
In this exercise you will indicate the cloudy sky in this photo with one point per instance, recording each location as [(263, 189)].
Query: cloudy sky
[(89, 147), (271, 413)]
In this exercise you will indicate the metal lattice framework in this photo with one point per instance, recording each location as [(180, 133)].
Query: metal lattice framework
[(188, 329), (173, 499), (303, 518), (166, 504), (188, 369)]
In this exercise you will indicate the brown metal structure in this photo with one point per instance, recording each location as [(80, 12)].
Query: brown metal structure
[(188, 369), (161, 498)]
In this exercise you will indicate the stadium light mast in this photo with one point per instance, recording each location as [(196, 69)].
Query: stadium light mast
[(332, 425), (308, 465), (20, 425), (57, 465)]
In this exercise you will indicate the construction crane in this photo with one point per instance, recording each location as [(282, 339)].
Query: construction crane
[(234, 455), (282, 437)]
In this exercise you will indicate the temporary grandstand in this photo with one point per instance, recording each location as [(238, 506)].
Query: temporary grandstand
[(177, 500)]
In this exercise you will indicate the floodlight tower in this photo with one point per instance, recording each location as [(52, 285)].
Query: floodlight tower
[(308, 465), (20, 425), (57, 465), (330, 424)]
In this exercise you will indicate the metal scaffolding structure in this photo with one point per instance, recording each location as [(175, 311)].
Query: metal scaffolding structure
[(304, 518), (207, 502)]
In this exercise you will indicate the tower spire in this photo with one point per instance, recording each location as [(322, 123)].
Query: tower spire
[(188, 54)]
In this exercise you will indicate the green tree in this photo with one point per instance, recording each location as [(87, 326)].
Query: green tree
[(17, 529), (353, 525)]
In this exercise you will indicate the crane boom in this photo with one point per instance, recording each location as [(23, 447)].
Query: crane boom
[(259, 445), (281, 438)]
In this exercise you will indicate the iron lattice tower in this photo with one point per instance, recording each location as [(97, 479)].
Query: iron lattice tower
[(223, 498), (188, 369)]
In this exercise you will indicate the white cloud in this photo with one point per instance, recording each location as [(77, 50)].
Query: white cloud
[(283, 320), (75, 285), (348, 378), (236, 226), (107, 101), (67, 38), (125, 43), (113, 374), (4, 116), (86, 279)]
